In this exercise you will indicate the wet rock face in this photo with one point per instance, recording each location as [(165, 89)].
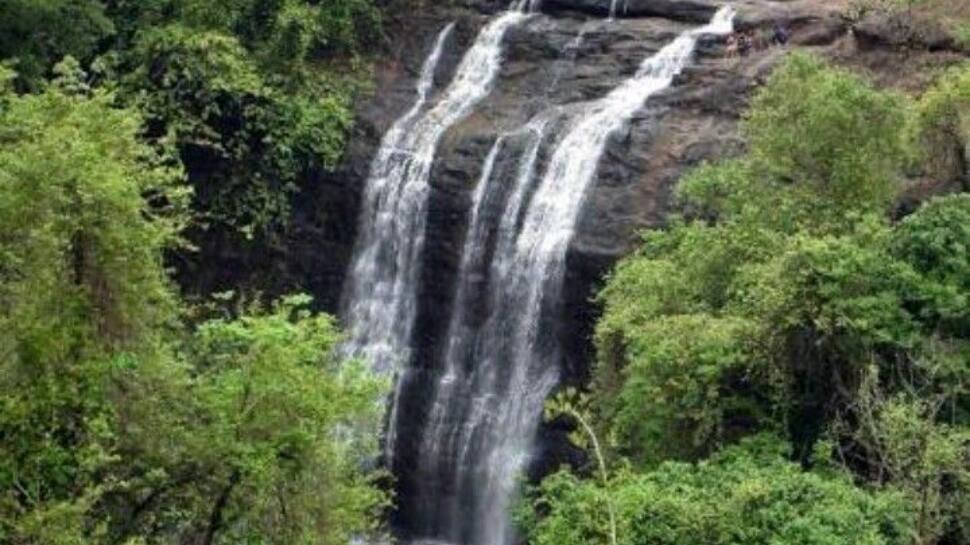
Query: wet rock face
[(544, 67), (751, 13), (558, 59), (697, 11), (561, 58)]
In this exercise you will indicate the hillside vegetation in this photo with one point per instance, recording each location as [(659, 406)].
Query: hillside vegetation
[(786, 363), (127, 416)]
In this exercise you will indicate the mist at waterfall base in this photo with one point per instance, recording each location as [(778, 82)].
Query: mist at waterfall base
[(497, 370)]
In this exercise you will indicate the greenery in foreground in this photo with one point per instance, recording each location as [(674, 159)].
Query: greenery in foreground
[(127, 417), (787, 365), (119, 422)]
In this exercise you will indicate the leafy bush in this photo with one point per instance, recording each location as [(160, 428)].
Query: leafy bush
[(701, 329), (684, 388), (773, 309), (913, 440), (327, 27), (744, 495), (835, 151), (265, 444), (935, 241), (256, 93), (244, 141), (39, 33), (943, 126), (86, 209), (117, 424)]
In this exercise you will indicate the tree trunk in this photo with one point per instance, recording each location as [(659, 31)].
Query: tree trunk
[(216, 519)]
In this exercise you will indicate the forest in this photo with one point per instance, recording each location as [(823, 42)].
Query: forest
[(130, 415), (788, 362), (785, 362)]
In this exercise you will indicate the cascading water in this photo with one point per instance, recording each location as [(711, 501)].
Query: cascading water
[(497, 374), (365, 271), (613, 5), (381, 291), (449, 450), (502, 360)]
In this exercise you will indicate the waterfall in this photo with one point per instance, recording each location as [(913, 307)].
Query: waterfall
[(497, 374), (502, 354), (366, 272), (569, 59), (460, 402), (381, 291)]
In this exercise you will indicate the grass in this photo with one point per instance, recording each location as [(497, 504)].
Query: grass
[(962, 34), (954, 15)]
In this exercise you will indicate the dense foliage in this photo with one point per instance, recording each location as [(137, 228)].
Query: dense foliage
[(254, 94), (745, 495), (943, 128), (784, 364), (38, 34), (787, 302), (118, 422)]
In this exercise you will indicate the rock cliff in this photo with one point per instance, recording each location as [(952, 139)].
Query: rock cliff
[(567, 54)]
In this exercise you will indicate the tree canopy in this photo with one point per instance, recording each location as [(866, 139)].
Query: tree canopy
[(786, 301), (124, 418), (254, 94)]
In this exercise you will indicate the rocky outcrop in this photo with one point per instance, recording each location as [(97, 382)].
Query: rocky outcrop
[(559, 58), (897, 30), (695, 121), (694, 11), (750, 12)]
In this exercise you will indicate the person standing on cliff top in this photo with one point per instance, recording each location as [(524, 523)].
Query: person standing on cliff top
[(744, 43), (781, 35)]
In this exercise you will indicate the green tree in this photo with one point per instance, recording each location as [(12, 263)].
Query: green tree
[(86, 210), (243, 87), (743, 495), (789, 290), (710, 326), (244, 142), (908, 440), (943, 126), (256, 93), (39, 33), (935, 242), (267, 441), (120, 425), (815, 163)]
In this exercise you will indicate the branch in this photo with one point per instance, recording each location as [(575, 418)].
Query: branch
[(602, 466), (216, 519)]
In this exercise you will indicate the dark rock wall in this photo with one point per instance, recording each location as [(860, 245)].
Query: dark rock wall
[(694, 121)]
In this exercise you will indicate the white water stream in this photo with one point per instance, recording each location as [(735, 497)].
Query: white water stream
[(498, 371)]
